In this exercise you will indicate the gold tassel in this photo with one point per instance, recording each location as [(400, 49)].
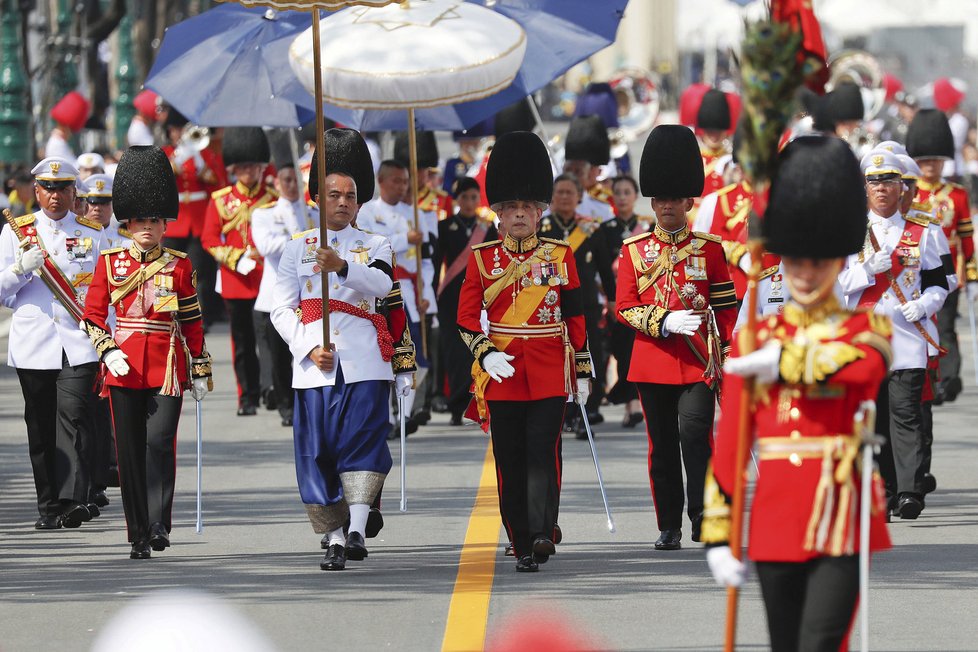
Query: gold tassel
[(171, 383), (821, 493)]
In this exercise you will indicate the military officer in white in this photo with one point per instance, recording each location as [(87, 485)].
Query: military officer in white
[(899, 274), (342, 390), (99, 199), (55, 361)]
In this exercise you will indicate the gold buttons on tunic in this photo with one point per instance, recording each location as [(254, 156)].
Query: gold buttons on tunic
[(795, 459), (795, 413), (795, 434)]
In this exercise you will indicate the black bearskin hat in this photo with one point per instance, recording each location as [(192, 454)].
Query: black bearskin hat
[(427, 149), (671, 164), (175, 119), (587, 140), (714, 111), (845, 102), (929, 135), (515, 117), (462, 184), (144, 185), (245, 145), (346, 152), (817, 207), (519, 169)]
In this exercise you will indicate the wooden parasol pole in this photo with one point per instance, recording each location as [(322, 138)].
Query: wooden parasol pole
[(320, 163), (413, 180)]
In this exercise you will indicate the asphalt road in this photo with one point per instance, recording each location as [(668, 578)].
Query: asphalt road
[(258, 554)]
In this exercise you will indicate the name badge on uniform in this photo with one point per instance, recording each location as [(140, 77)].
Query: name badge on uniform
[(696, 268), (309, 255), (164, 298), (909, 257)]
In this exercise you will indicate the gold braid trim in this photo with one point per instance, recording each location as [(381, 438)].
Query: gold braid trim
[(816, 363), (478, 344), (734, 251), (227, 255), (404, 359), (101, 338), (645, 319), (582, 363), (716, 512)]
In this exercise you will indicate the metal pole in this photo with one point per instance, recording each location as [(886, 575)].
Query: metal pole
[(864, 506), (200, 468), (413, 180), (597, 467), (400, 412), (321, 163)]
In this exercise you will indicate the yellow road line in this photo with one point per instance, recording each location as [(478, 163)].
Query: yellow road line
[(468, 612)]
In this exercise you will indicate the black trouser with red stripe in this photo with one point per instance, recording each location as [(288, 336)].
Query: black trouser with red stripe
[(810, 604), (679, 420), (244, 345), (146, 438), (525, 441)]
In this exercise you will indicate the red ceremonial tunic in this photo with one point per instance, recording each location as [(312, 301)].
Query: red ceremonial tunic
[(730, 224), (532, 295), (954, 215), (158, 323), (659, 273), (194, 193), (437, 201), (227, 236), (804, 507), (712, 179)]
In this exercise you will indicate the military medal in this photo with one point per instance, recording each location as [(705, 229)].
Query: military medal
[(544, 315), (550, 298), (687, 291), (699, 301), (165, 298), (308, 285), (908, 278)]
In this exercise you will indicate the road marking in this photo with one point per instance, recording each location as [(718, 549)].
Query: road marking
[(468, 611)]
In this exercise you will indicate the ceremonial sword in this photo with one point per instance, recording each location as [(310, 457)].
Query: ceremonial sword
[(400, 411), (200, 433), (597, 466)]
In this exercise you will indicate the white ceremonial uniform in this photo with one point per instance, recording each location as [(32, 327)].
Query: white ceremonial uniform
[(594, 208), (272, 227), (115, 235), (773, 293), (909, 346), (394, 222), (299, 279), (41, 328)]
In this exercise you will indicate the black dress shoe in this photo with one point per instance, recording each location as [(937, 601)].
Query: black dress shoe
[(929, 483), (287, 421), (439, 404), (594, 418), (422, 417), (509, 550), (93, 511), (247, 410), (632, 420), (456, 420), (525, 564), (697, 528), (99, 498), (952, 387), (375, 523), (140, 550), (570, 422), (324, 542), (159, 540), (356, 548), (542, 549), (909, 507), (669, 540), (74, 516), (48, 522), (335, 559), (558, 534)]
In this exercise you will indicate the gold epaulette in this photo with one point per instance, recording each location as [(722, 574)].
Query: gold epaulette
[(113, 250), (302, 233), (922, 220), (707, 236), (768, 272), (174, 252), (25, 220), (217, 194), (555, 241), (636, 238), (955, 185), (84, 221), (125, 233), (269, 204), (488, 243), (922, 206)]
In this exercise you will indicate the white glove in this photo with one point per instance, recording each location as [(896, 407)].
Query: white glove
[(913, 311), (878, 263), (762, 363), (182, 154), (28, 261), (199, 162), (727, 570), (115, 362), (497, 365), (972, 291), (583, 390), (246, 264), (199, 389), (403, 384), (682, 322)]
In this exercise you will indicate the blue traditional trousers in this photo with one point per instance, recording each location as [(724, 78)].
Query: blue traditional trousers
[(341, 453)]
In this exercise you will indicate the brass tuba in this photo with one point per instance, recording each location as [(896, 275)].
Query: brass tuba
[(862, 69), (195, 137)]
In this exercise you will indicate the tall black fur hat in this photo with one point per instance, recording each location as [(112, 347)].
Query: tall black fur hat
[(245, 145), (714, 112), (515, 117), (175, 119), (144, 185), (346, 152), (427, 149), (929, 135), (817, 207), (845, 102), (671, 163), (519, 169), (587, 140)]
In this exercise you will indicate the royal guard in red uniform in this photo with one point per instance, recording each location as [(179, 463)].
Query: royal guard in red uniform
[(818, 368), (227, 236), (156, 349), (713, 124), (930, 143), (675, 291), (535, 353), (586, 149)]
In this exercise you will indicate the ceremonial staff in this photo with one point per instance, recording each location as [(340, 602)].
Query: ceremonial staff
[(777, 55)]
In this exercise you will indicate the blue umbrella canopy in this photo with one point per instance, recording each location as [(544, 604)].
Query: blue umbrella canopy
[(216, 70)]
